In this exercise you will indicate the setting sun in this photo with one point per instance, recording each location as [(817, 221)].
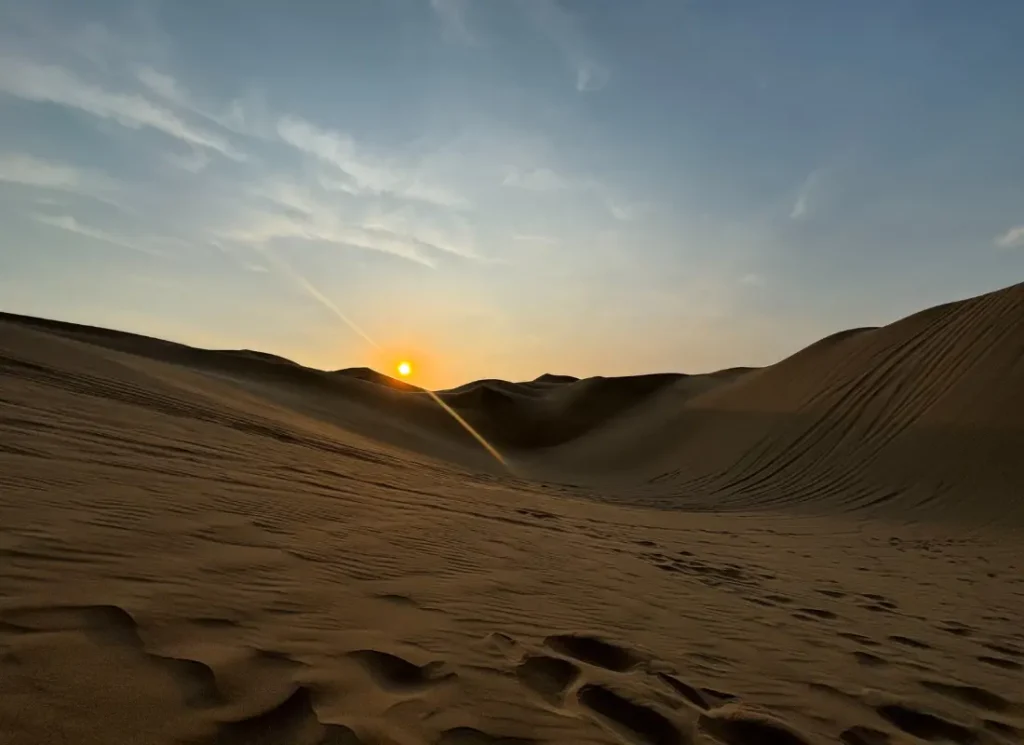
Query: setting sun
[(404, 368)]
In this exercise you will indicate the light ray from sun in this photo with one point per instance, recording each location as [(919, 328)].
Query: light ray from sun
[(282, 266), (469, 428), (404, 368)]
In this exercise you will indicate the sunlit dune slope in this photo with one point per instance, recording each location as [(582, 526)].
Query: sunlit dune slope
[(927, 412)]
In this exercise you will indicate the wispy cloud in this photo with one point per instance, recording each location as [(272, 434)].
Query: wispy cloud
[(27, 80), (805, 195), (563, 30), (263, 229), (449, 234), (331, 187), (551, 19), (72, 225), (27, 170), (193, 162), (544, 179), (37, 173), (291, 210), (164, 86), (367, 174), (296, 198), (246, 116), (1012, 238), (626, 211), (799, 208)]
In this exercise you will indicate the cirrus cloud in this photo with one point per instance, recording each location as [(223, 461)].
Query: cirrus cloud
[(44, 83), (1012, 238)]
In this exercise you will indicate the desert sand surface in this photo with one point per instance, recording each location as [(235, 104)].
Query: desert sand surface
[(224, 547)]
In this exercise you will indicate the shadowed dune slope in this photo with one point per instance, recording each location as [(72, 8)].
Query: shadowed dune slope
[(925, 413), (527, 416), (372, 376), (517, 416)]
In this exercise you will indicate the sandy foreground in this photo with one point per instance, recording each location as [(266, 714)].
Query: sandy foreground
[(218, 548)]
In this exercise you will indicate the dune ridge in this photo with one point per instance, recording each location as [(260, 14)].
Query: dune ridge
[(924, 412), (213, 547)]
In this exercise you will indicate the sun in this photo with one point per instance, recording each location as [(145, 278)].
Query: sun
[(404, 369)]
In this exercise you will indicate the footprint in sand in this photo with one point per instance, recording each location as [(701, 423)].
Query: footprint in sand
[(112, 625), (1000, 662), (862, 735), (397, 675), (1005, 652), (1005, 649), (594, 651), (956, 628), (643, 722), (972, 696), (636, 722), (818, 613), (878, 603), (503, 644), (473, 736), (685, 690), (907, 641), (403, 601), (538, 514), (924, 725), (292, 720), (735, 724), (869, 660), (859, 638), (549, 677), (1003, 728)]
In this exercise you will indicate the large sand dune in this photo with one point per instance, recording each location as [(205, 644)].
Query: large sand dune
[(226, 547)]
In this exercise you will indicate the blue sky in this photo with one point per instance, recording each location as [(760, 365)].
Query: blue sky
[(501, 188)]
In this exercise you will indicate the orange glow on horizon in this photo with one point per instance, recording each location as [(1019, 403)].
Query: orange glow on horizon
[(404, 367)]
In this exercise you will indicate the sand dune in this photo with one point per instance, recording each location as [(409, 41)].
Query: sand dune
[(372, 376), (227, 547), (923, 412), (920, 418), (526, 416)]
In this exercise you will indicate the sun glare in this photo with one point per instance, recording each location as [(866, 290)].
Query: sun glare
[(404, 369)]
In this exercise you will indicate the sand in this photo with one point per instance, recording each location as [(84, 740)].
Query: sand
[(224, 547)]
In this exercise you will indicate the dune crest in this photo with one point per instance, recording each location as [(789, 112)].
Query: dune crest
[(924, 411)]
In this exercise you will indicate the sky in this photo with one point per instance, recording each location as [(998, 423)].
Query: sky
[(503, 188)]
